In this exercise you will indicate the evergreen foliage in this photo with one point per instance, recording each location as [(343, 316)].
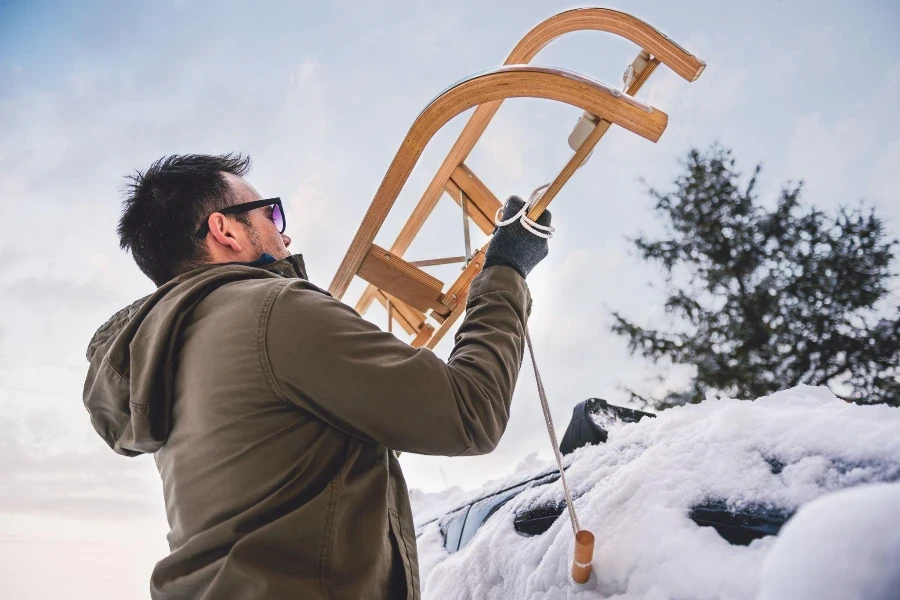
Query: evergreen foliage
[(765, 299)]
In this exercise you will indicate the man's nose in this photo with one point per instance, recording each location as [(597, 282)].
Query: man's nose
[(287, 240)]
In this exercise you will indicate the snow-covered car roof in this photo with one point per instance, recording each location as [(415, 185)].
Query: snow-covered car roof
[(636, 493)]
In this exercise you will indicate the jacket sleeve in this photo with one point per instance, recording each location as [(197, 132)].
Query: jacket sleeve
[(326, 359)]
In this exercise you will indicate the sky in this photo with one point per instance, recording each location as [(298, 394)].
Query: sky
[(321, 94)]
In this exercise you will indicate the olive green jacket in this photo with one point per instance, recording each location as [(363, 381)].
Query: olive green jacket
[(271, 408)]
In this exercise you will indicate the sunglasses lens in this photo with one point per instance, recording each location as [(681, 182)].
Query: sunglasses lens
[(278, 217)]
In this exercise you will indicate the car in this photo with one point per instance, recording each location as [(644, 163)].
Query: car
[(592, 419)]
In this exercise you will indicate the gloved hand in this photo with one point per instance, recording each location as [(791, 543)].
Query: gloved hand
[(513, 245)]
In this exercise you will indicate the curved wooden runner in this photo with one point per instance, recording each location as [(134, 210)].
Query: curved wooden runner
[(487, 91)]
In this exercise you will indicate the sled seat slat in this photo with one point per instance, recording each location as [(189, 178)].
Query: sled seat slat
[(396, 277)]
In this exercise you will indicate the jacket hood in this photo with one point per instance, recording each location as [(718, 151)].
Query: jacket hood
[(128, 391)]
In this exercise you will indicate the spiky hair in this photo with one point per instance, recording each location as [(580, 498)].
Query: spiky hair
[(163, 207)]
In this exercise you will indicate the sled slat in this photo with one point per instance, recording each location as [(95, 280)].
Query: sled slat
[(398, 278), (423, 336), (410, 319), (459, 291), (478, 193), (483, 221), (446, 325)]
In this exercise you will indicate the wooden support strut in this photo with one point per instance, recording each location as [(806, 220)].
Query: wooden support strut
[(586, 147), (422, 338), (456, 298), (400, 279), (458, 292), (484, 222), (411, 320), (446, 326), (483, 199), (644, 35)]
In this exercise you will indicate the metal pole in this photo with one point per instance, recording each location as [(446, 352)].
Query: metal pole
[(465, 210), (438, 261), (390, 311)]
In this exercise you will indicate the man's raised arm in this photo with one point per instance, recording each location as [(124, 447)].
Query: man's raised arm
[(323, 357)]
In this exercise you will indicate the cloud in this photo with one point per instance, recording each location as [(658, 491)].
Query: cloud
[(845, 157), (503, 146), (306, 97), (51, 309), (45, 292), (54, 463), (315, 220)]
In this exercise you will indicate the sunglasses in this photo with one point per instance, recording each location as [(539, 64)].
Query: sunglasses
[(277, 213)]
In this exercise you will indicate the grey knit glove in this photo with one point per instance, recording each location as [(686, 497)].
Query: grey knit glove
[(513, 245)]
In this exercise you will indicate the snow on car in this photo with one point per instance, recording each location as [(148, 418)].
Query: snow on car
[(689, 505)]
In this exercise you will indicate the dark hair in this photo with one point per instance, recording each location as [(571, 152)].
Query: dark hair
[(163, 208)]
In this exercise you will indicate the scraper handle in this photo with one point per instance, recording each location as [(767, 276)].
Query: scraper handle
[(584, 554)]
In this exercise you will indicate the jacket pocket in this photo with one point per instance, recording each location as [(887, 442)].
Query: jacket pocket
[(407, 548)]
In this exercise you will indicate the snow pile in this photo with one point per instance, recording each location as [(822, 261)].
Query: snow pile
[(635, 493), (844, 545), (428, 506)]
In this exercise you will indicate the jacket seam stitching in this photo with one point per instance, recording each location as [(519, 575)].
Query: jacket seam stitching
[(265, 363), (401, 539), (125, 380), (328, 538), (334, 485), (113, 369), (496, 290), (465, 428)]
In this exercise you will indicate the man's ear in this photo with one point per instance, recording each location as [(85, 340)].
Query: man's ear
[(223, 231)]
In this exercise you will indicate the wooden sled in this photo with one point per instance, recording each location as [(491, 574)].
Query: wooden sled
[(411, 296)]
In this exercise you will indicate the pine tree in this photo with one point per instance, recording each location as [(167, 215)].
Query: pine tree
[(766, 299)]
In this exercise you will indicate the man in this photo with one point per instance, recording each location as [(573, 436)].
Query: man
[(271, 408)]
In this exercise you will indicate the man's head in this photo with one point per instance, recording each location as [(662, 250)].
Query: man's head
[(165, 206)]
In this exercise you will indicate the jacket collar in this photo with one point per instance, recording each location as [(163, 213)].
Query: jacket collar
[(290, 267)]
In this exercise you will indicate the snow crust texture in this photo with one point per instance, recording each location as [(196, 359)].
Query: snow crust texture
[(797, 448)]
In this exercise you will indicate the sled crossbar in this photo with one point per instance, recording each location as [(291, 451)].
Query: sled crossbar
[(433, 262), (402, 280), (402, 285)]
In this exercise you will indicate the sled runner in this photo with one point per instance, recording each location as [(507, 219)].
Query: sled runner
[(415, 299)]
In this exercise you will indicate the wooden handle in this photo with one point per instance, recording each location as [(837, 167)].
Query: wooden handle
[(584, 554)]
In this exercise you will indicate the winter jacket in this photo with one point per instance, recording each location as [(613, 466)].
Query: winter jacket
[(272, 409)]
